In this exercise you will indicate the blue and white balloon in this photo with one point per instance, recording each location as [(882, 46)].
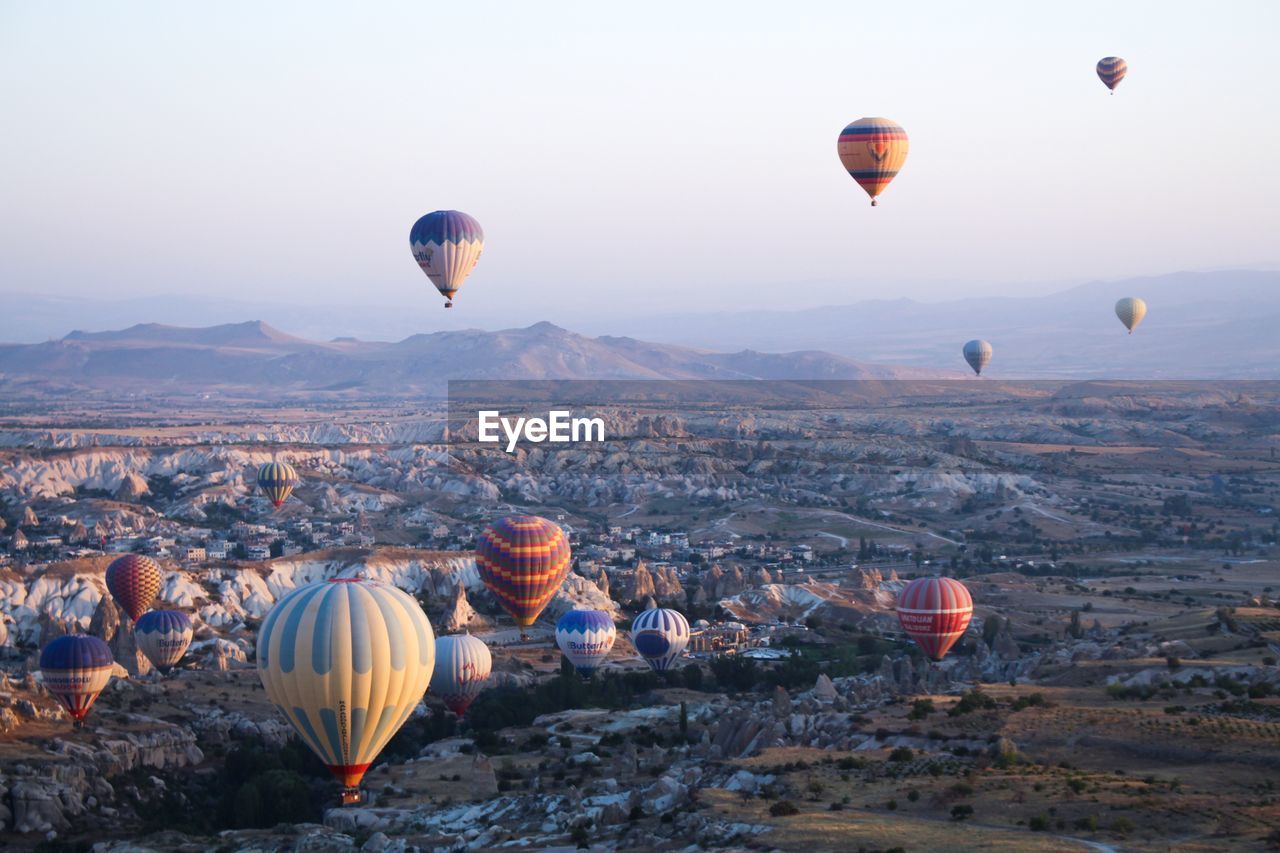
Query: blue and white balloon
[(586, 638), (163, 636), (660, 636)]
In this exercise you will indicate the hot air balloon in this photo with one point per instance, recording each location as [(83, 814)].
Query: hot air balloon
[(277, 479), (660, 636), (935, 612), (1131, 310), (163, 636), (872, 151), (76, 668), (1111, 70), (134, 582), (447, 245), (523, 559), (346, 661), (586, 637), (978, 354), (463, 664)]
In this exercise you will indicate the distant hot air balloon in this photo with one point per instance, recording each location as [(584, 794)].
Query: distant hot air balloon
[(660, 636), (163, 636), (277, 479), (346, 661), (1111, 70), (978, 354), (447, 244), (463, 665), (134, 582), (935, 612), (872, 151), (523, 559), (586, 637), (76, 668), (1131, 310)]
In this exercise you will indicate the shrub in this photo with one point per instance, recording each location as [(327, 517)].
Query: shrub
[(1039, 823), (961, 812), (901, 754), (784, 808)]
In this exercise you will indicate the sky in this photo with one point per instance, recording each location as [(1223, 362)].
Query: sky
[(628, 158)]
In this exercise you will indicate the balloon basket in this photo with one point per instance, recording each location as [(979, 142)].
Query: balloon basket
[(350, 796)]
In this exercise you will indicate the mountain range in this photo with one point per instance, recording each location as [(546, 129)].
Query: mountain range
[(253, 358), (1200, 325)]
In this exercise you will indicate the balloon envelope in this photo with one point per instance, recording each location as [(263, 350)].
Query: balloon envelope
[(75, 669), (134, 583), (447, 245), (346, 661), (872, 151), (523, 559), (277, 479), (1111, 70), (586, 638), (463, 665), (660, 636), (935, 612), (978, 354), (1131, 310), (163, 636)]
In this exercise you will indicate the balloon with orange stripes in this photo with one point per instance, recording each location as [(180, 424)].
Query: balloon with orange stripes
[(522, 560)]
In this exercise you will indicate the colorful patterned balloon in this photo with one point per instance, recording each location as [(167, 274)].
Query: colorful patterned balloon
[(935, 612), (134, 583), (1131, 310), (277, 479), (586, 638), (447, 244), (75, 669), (873, 151), (463, 665), (660, 636), (1111, 70), (978, 354), (346, 661), (163, 636), (523, 559)]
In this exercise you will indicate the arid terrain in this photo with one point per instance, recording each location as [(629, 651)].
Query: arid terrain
[(1118, 688)]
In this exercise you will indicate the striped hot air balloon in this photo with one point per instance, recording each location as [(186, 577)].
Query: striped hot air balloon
[(75, 669), (660, 636), (346, 661), (935, 612), (523, 559), (1131, 310), (872, 151), (447, 244), (586, 638), (978, 354), (1111, 70), (277, 479), (163, 636), (463, 665), (134, 583)]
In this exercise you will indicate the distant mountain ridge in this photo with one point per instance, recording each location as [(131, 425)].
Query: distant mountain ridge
[(1199, 325), (255, 359)]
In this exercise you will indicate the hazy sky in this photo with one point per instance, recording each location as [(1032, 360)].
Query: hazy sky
[(628, 156)]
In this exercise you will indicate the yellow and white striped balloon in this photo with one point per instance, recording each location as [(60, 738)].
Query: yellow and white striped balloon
[(346, 661), (1131, 310)]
